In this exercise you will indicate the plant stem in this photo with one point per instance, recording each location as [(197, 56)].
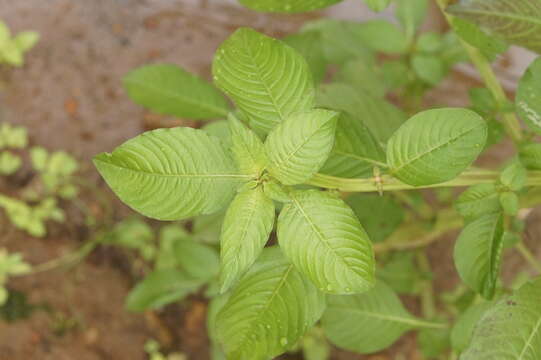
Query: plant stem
[(510, 121), (387, 183), (528, 256)]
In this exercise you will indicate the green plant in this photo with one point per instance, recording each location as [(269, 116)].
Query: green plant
[(13, 48), (10, 264), (31, 205), (300, 147)]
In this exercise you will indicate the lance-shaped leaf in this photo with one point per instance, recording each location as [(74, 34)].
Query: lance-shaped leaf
[(247, 148), (517, 21), (528, 94), (246, 228), (299, 146), (326, 242), (267, 79), (511, 330), (171, 174), (369, 322), (380, 116), (168, 89), (160, 288), (269, 310), (287, 6), (478, 200), (478, 252), (436, 145), (356, 151)]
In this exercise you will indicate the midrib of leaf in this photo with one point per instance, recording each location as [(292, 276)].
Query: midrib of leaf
[(269, 301), (511, 16), (536, 328), (175, 96), (318, 233), (492, 256), (239, 176), (434, 148), (397, 319), (261, 77), (357, 157)]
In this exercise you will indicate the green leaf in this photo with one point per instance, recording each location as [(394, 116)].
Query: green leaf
[(362, 76), (247, 148), (299, 146), (478, 252), (11, 54), (433, 342), (341, 41), (429, 68), (207, 228), (355, 151), (287, 6), (528, 94), (429, 42), (369, 322), (510, 203), (530, 156), (160, 288), (309, 45), (514, 175), (382, 36), (462, 331), (267, 79), (401, 273), (380, 215), (489, 46), (334, 250), (378, 115), (411, 14), (269, 310), (171, 174), (169, 89), (377, 5), (478, 200), (199, 261), (9, 163), (436, 145), (511, 329), (315, 346), (517, 21), (246, 229), (26, 40), (220, 129)]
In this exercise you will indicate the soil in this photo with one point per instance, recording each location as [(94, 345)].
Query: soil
[(69, 96)]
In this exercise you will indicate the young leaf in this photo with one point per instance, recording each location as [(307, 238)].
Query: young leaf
[(197, 260), (528, 94), (436, 145), (489, 46), (462, 331), (247, 225), (401, 273), (287, 6), (169, 89), (429, 68), (478, 200), (433, 342), (380, 215), (355, 151), (26, 40), (299, 146), (275, 81), (510, 203), (514, 175), (340, 41), (269, 310), (511, 329), (171, 174), (308, 44), (378, 115), (377, 5), (530, 156), (383, 36), (478, 252), (517, 21), (247, 148), (220, 129), (334, 250), (160, 288), (369, 322), (411, 14), (367, 78)]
